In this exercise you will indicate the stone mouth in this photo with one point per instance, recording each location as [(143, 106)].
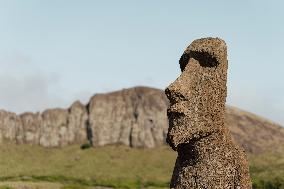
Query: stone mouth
[(176, 110), (175, 114), (187, 153)]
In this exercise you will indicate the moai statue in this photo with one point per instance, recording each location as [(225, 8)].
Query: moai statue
[(207, 156)]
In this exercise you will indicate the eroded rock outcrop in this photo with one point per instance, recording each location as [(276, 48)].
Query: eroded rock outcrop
[(133, 117), (10, 127), (77, 119), (61, 127), (31, 124), (52, 128), (207, 156)]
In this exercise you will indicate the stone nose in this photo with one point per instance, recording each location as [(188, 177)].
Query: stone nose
[(174, 92)]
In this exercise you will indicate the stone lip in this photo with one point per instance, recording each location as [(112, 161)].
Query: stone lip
[(210, 52)]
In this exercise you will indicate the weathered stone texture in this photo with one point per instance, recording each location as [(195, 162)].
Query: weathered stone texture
[(207, 156), (77, 120), (31, 124), (61, 127), (10, 127), (131, 117), (52, 128)]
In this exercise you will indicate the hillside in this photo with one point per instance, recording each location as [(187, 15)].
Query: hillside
[(253, 132), (134, 117), (121, 167)]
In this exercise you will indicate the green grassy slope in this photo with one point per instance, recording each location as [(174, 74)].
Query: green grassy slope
[(267, 171), (113, 166)]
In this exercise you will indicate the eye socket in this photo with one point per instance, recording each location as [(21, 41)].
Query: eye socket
[(204, 58), (183, 61)]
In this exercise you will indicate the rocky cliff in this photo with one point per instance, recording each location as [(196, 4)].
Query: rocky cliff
[(52, 128), (134, 117)]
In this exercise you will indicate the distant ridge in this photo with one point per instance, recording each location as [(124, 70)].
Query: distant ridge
[(135, 117)]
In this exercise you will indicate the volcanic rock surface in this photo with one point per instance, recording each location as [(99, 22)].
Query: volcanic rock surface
[(207, 156), (131, 117)]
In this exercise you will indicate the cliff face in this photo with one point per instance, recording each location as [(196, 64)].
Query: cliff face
[(52, 128), (134, 117), (254, 133)]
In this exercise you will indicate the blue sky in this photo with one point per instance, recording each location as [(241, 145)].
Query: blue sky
[(54, 52)]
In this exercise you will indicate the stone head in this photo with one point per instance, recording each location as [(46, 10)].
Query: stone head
[(197, 97)]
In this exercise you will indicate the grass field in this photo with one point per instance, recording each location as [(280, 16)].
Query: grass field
[(110, 166)]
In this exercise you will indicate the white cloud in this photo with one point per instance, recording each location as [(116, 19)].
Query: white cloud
[(24, 87)]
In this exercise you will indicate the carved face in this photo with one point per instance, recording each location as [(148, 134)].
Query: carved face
[(195, 99), (180, 94)]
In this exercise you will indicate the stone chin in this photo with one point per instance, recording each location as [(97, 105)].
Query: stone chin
[(174, 136)]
